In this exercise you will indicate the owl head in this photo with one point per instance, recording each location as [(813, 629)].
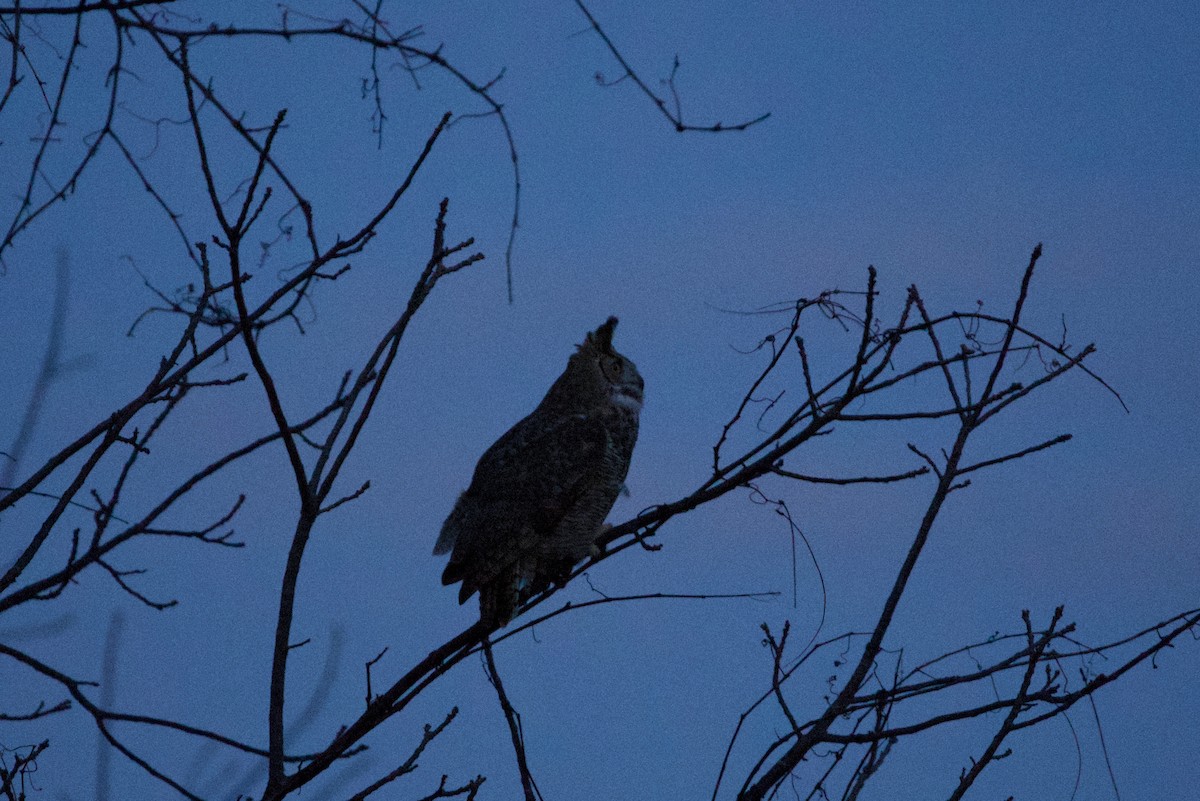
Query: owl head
[(619, 377), (597, 375)]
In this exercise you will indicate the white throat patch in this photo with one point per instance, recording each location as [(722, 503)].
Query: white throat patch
[(625, 401)]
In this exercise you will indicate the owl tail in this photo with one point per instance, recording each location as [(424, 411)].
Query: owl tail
[(497, 604)]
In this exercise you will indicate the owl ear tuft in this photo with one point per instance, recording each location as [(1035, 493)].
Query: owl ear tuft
[(602, 336)]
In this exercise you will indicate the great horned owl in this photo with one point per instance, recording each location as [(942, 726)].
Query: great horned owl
[(540, 494)]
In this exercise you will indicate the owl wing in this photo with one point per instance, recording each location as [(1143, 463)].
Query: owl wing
[(523, 486)]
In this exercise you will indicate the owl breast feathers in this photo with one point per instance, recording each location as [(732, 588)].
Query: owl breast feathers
[(539, 495)]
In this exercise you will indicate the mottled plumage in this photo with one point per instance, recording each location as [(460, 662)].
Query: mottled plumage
[(540, 494)]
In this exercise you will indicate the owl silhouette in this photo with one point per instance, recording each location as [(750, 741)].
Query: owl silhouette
[(539, 495)]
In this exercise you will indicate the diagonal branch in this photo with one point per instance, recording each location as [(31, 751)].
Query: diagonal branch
[(513, 718), (674, 117)]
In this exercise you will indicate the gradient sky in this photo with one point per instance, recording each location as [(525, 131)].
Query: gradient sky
[(938, 143)]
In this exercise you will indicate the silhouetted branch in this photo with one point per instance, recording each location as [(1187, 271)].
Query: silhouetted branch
[(40, 712), (104, 716), (571, 606), (80, 8), (675, 117), (1050, 443), (1036, 649), (920, 471), (409, 765), (777, 351), (15, 778), (27, 212), (368, 35), (513, 718), (777, 648)]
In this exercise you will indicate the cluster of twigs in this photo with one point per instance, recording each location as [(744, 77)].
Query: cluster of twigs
[(341, 422), (974, 376), (172, 33), (859, 721), (218, 313), (17, 767)]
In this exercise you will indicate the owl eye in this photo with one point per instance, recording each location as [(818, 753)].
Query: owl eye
[(612, 367)]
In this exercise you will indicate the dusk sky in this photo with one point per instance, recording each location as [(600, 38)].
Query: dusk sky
[(939, 142)]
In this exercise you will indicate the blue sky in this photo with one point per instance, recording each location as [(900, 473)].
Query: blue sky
[(938, 143)]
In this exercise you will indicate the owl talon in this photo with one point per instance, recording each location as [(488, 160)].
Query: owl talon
[(562, 575)]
